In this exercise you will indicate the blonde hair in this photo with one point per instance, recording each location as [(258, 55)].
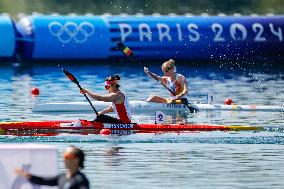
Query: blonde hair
[(169, 64)]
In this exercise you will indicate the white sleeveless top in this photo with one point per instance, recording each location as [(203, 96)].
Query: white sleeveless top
[(175, 86)]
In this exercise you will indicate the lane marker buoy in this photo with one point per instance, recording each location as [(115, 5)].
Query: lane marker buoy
[(35, 91)]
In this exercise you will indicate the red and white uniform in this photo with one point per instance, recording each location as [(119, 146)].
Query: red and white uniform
[(123, 110)]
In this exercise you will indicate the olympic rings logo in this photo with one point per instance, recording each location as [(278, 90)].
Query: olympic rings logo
[(70, 30)]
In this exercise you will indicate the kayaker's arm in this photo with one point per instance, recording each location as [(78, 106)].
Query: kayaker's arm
[(107, 110), (162, 79), (106, 98), (155, 76), (113, 97)]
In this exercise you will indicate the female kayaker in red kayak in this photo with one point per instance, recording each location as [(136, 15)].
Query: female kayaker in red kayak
[(119, 101), (174, 81)]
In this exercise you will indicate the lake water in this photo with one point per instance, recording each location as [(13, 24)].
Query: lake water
[(164, 160)]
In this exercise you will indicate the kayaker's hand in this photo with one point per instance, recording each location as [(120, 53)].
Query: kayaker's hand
[(83, 91), (146, 70)]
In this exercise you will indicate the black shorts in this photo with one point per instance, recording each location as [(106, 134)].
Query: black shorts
[(106, 119)]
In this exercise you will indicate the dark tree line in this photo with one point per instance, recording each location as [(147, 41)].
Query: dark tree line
[(98, 7)]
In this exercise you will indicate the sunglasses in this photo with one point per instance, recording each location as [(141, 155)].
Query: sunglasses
[(167, 69), (69, 156)]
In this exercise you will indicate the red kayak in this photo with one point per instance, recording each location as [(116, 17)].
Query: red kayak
[(90, 125)]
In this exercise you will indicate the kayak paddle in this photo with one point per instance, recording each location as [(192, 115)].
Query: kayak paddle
[(129, 53), (126, 51), (73, 78)]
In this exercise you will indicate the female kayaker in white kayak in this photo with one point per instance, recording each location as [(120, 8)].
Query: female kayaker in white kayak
[(119, 101), (174, 81)]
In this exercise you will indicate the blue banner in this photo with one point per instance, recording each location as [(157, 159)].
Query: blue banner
[(200, 38), (158, 37), (7, 37)]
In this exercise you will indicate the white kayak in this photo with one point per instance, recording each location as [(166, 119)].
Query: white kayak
[(148, 106)]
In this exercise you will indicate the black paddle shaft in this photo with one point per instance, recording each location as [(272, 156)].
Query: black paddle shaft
[(73, 78)]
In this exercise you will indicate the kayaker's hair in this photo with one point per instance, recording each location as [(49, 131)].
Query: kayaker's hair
[(169, 64), (113, 78), (80, 155)]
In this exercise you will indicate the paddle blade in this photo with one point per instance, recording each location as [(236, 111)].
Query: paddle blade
[(70, 76), (126, 51), (189, 106)]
